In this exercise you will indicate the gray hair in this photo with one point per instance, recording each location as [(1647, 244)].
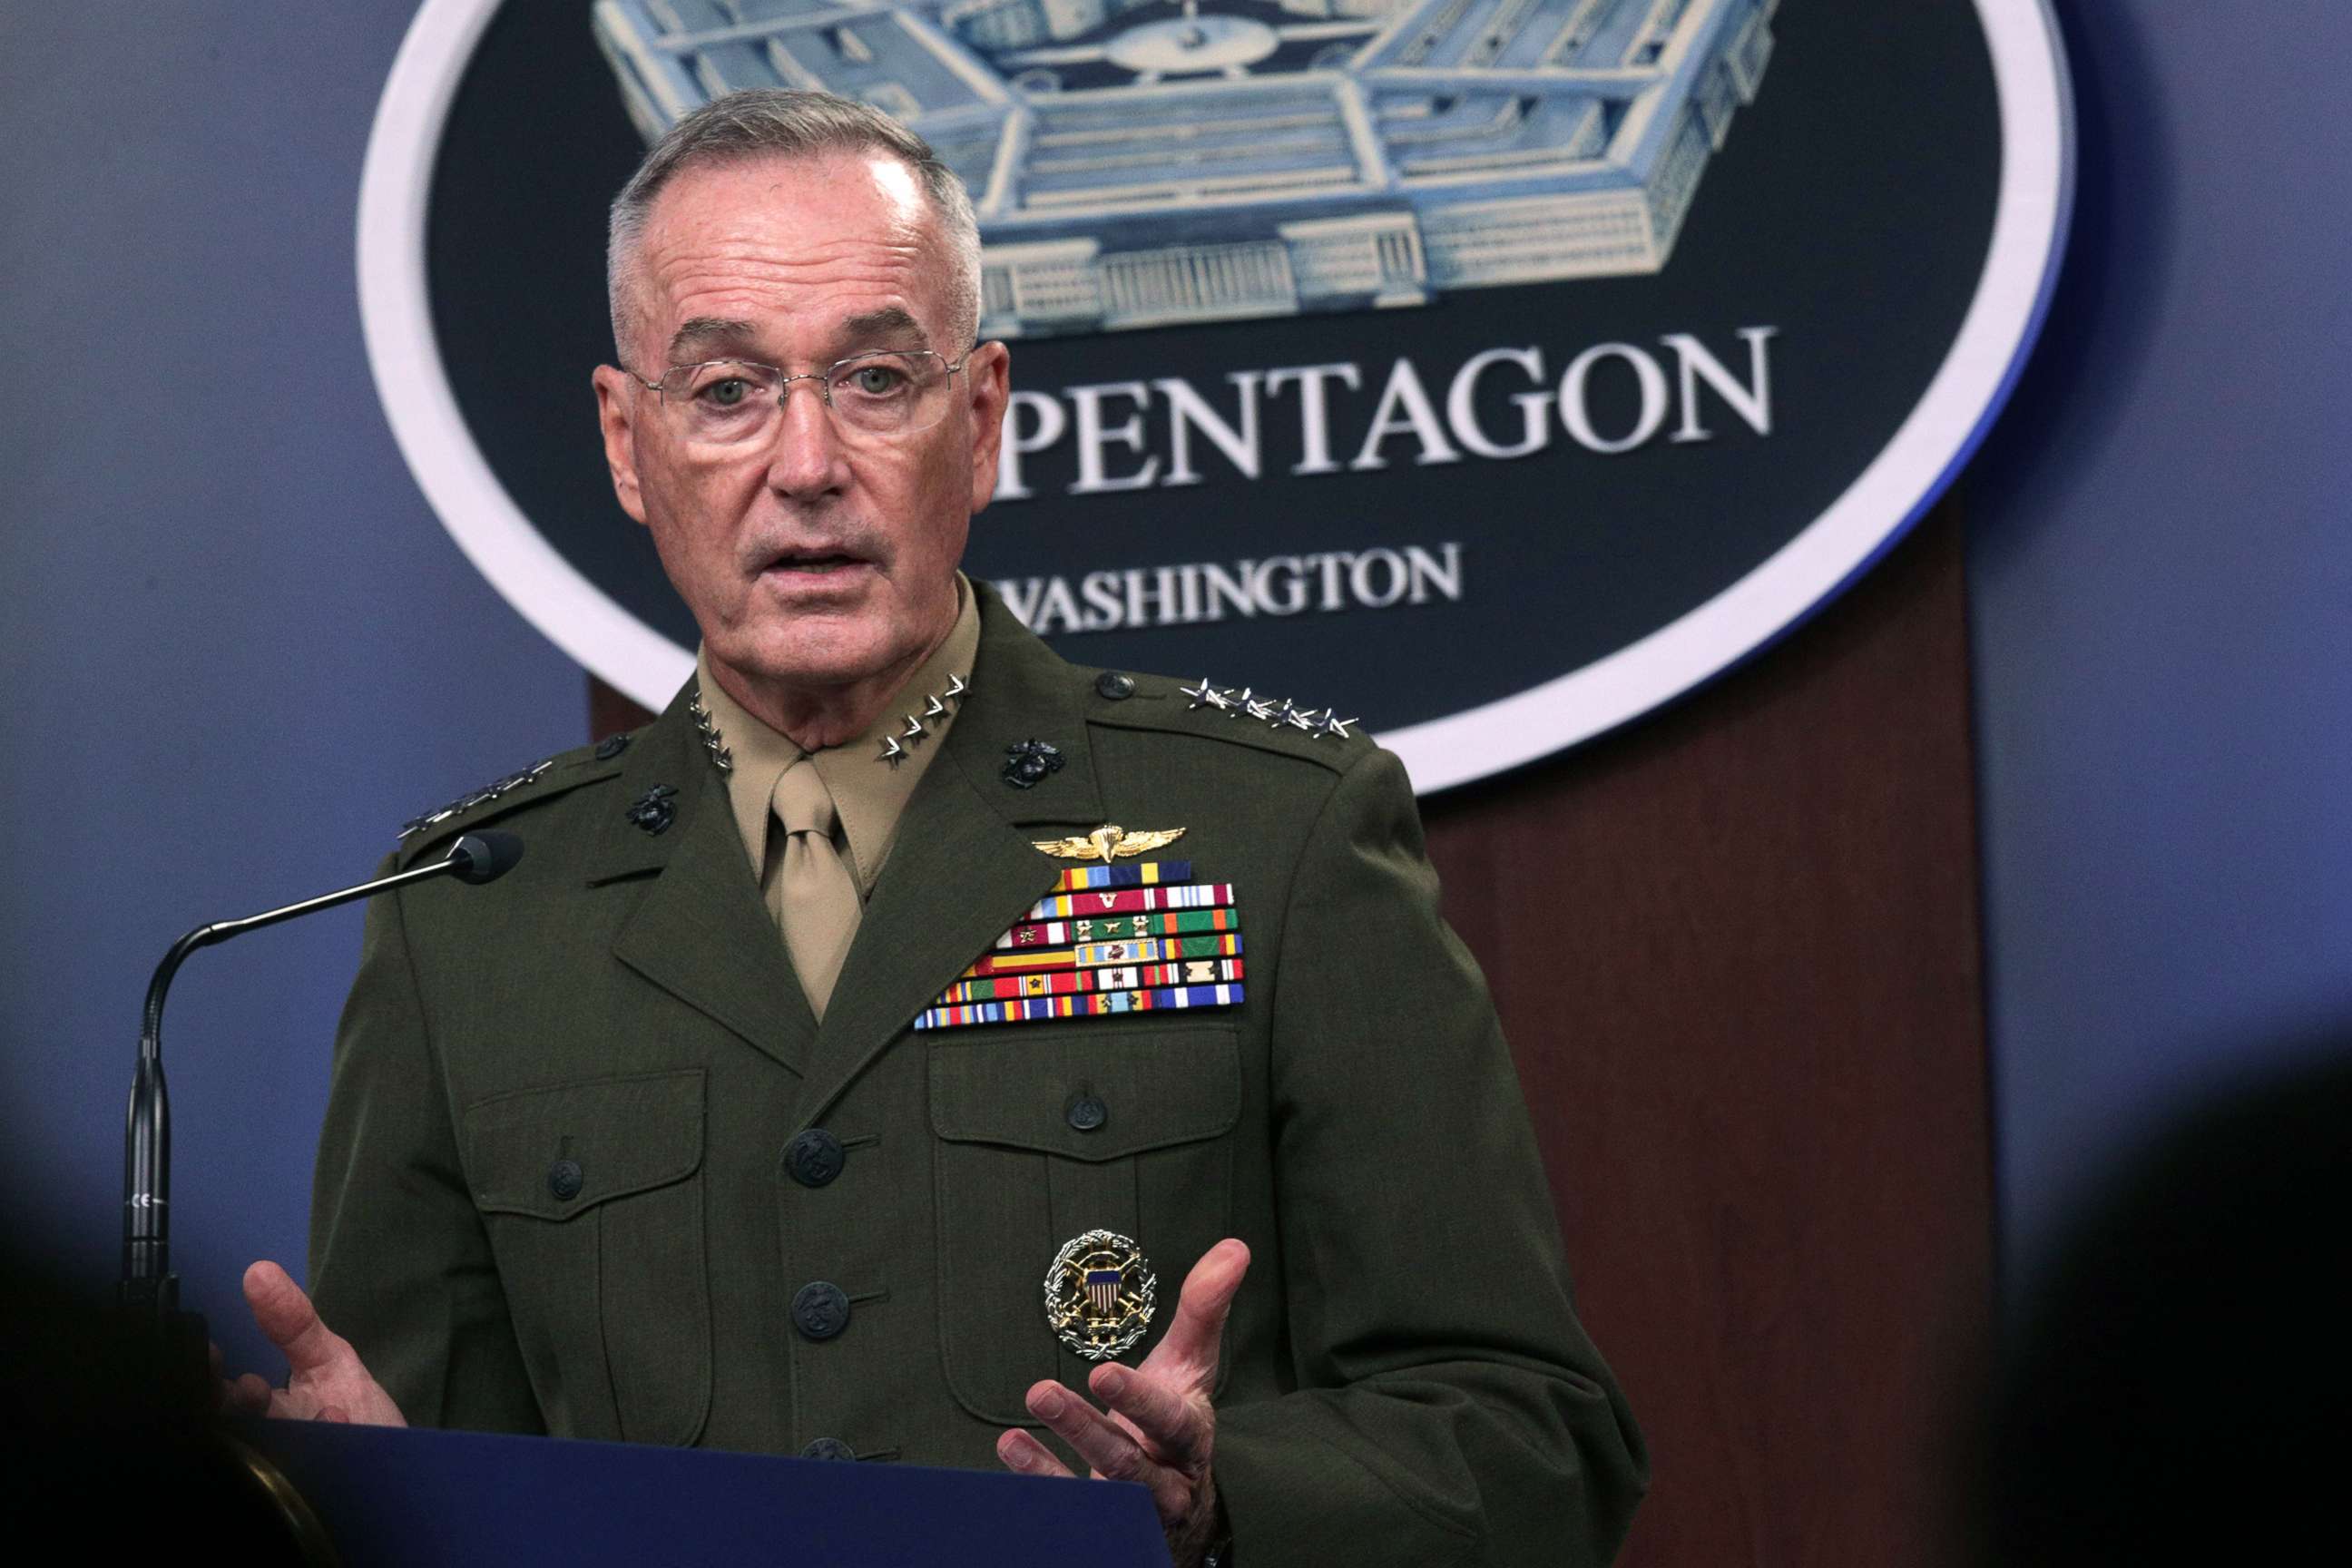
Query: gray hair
[(778, 122)]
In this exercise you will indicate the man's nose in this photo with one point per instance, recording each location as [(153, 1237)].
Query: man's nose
[(805, 456)]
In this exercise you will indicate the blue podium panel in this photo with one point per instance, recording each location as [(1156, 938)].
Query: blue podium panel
[(401, 1499)]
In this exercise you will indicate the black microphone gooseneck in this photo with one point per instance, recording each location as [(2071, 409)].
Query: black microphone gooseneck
[(149, 1289)]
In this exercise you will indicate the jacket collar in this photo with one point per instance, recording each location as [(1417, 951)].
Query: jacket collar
[(962, 869), (701, 932)]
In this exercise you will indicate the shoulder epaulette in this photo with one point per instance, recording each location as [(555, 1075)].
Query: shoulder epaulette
[(1276, 714), (1238, 713), (543, 780)]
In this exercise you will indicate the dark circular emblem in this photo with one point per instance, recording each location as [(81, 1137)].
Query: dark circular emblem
[(564, 1179), (1495, 372), (814, 1157), (820, 1309)]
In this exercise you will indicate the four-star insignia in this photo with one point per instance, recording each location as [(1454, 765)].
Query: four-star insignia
[(1244, 703)]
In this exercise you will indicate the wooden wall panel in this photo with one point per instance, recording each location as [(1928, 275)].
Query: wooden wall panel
[(1736, 949)]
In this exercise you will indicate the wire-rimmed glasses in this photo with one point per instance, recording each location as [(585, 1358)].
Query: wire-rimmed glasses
[(735, 402)]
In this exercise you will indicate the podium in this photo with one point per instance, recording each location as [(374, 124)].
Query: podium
[(459, 1499)]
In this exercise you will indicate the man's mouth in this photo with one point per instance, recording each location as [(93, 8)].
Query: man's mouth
[(814, 562)]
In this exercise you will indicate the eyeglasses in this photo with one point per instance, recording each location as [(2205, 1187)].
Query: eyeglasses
[(734, 402)]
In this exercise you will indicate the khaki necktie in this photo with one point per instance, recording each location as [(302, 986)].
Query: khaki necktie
[(809, 890)]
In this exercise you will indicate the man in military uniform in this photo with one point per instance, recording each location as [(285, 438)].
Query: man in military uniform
[(824, 1021)]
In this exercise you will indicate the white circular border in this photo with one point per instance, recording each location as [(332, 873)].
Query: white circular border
[(2029, 220)]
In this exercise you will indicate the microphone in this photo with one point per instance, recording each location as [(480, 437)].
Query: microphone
[(149, 1289)]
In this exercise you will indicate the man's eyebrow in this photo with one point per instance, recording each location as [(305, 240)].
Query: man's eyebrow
[(890, 320), (705, 331)]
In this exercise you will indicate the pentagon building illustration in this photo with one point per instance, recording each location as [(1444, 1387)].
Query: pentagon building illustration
[(1142, 162)]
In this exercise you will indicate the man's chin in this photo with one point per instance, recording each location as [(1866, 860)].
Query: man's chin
[(815, 656)]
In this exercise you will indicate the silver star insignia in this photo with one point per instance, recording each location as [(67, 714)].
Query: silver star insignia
[(1333, 726), (892, 753), (1205, 696), (1297, 718), (914, 730), (1261, 709), (933, 708), (956, 688)]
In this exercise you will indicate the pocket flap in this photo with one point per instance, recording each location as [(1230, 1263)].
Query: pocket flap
[(559, 1152), (1148, 1089)]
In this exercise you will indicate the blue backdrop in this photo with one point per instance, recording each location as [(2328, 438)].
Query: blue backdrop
[(2162, 592), (240, 649)]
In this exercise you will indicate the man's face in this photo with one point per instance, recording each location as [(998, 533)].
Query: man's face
[(814, 557)]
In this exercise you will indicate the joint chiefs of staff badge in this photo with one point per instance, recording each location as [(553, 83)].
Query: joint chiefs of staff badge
[(1100, 1294)]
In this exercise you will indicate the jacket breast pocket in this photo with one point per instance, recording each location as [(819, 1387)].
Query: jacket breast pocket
[(1041, 1137), (593, 1199)]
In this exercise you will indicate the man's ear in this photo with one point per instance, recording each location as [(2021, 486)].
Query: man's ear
[(987, 372), (615, 402)]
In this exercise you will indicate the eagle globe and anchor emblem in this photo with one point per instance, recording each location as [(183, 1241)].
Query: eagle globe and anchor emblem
[(1149, 163)]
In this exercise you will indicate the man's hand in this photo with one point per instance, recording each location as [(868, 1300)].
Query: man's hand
[(326, 1380), (1161, 1427)]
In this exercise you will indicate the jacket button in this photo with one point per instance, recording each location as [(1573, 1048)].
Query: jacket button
[(827, 1449), (813, 1158), (1119, 687), (1085, 1110), (564, 1180), (820, 1309), (610, 746)]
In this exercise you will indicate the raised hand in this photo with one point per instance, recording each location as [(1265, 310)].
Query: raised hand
[(1160, 1428), (325, 1381)]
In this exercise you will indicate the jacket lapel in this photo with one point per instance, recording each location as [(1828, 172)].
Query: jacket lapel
[(701, 934), (962, 868)]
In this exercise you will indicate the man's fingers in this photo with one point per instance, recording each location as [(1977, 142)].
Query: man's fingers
[(284, 1313), (1020, 1451), (1191, 1341), (1176, 1427), (292, 1404), (1108, 1449)]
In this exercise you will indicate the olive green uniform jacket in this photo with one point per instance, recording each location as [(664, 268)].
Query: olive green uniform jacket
[(1404, 1380)]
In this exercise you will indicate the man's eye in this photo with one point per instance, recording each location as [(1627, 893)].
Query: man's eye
[(727, 392), (876, 380)]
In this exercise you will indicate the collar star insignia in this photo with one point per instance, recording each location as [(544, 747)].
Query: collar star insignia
[(1107, 842), (722, 756)]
